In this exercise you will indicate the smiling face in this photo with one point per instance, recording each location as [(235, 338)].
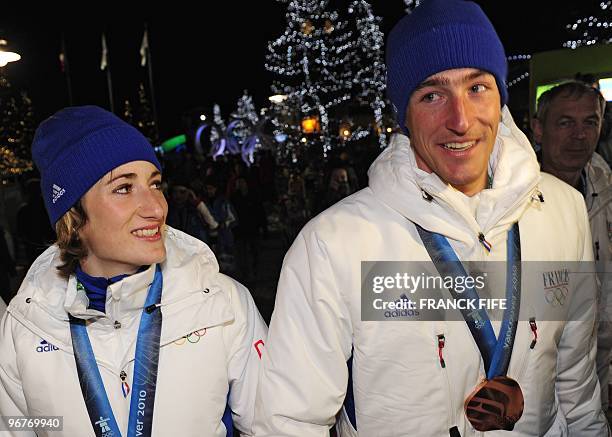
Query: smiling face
[(453, 117), (569, 134), (126, 212)]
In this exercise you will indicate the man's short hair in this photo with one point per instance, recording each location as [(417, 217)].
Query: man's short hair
[(573, 89)]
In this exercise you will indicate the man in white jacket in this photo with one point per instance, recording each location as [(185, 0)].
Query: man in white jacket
[(567, 127), (464, 175)]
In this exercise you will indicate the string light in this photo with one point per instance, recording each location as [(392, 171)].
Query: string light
[(590, 29), (321, 62), (518, 79), (518, 57)]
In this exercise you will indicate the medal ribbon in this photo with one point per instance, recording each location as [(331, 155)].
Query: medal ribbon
[(496, 352), (145, 371)]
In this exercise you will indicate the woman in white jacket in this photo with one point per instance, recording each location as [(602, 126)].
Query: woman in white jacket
[(125, 326)]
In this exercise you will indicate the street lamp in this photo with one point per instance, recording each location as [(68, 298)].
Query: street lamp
[(6, 54)]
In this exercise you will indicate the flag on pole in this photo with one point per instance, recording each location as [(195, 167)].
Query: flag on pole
[(104, 60), (144, 48)]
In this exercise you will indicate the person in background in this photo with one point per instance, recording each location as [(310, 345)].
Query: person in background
[(125, 325), (345, 161), (338, 188), (567, 127), (225, 215), (189, 214), (250, 216)]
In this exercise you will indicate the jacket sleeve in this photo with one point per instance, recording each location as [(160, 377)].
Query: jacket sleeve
[(12, 400), (245, 339), (603, 249), (207, 216), (304, 374), (577, 385)]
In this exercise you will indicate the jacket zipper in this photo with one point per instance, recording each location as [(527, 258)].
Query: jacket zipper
[(526, 352), (441, 343)]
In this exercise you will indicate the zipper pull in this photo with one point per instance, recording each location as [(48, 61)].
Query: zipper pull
[(125, 387), (484, 242), (441, 342), (534, 329), (537, 196)]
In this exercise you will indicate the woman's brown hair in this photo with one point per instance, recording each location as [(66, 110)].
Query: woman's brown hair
[(72, 249)]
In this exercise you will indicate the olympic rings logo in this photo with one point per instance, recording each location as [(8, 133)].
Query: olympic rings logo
[(556, 296), (192, 337)]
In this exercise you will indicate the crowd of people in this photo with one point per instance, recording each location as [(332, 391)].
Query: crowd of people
[(226, 203)]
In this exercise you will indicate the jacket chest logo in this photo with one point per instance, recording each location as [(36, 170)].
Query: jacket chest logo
[(556, 287), (192, 337), (44, 346)]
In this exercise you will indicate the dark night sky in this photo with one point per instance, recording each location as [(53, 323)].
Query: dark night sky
[(207, 54)]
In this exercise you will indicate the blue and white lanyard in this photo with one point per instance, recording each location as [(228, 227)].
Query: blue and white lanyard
[(496, 352), (145, 371)]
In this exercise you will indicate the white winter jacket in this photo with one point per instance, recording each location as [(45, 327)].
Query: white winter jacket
[(211, 340), (598, 199), (599, 206), (398, 384)]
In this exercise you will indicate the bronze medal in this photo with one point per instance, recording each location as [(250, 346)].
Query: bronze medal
[(495, 404)]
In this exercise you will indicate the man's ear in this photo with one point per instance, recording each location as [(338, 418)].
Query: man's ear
[(537, 130)]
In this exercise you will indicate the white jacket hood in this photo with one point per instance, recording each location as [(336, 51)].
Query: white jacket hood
[(396, 180)]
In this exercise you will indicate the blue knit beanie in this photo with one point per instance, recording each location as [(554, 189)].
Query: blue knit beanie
[(75, 147), (441, 35)]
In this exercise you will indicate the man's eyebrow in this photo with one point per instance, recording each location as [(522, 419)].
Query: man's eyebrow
[(475, 75), (569, 116), (155, 174), (441, 81), (434, 81)]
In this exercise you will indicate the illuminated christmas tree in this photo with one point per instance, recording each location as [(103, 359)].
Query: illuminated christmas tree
[(309, 62), (143, 117), (128, 112), (16, 130), (245, 116), (246, 127), (367, 66)]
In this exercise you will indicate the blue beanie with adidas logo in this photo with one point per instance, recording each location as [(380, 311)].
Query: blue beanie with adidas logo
[(78, 145), (441, 35)]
